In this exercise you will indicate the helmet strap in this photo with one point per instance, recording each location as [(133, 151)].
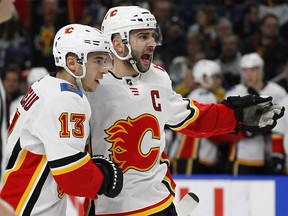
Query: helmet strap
[(128, 57), (78, 78)]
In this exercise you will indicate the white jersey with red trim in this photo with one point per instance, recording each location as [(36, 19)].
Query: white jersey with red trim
[(127, 125), (251, 150), (46, 149)]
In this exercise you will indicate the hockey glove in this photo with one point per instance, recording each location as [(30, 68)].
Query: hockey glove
[(113, 176), (254, 113), (277, 164)]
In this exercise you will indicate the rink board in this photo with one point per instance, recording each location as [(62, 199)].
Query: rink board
[(236, 196), (222, 195)]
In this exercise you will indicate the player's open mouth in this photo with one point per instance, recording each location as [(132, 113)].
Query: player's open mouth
[(146, 58)]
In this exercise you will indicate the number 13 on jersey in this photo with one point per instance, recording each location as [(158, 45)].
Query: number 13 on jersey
[(78, 128)]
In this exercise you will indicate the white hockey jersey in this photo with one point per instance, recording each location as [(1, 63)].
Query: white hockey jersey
[(46, 150), (251, 150), (127, 125), (202, 149)]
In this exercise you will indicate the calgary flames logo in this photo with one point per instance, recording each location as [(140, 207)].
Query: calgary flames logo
[(127, 136)]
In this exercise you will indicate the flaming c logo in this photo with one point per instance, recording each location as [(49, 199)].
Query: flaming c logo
[(126, 137)]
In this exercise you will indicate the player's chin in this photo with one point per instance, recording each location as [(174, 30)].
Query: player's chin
[(144, 67), (92, 87)]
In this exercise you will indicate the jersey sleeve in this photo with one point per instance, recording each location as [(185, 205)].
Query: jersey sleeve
[(200, 120), (63, 128)]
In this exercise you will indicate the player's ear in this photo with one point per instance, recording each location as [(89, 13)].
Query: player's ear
[(71, 62), (118, 44)]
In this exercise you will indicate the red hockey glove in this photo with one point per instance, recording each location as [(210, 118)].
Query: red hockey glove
[(254, 113), (113, 176)]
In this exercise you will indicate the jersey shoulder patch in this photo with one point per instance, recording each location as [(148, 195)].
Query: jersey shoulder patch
[(70, 88)]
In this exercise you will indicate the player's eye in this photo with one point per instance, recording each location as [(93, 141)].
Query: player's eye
[(100, 62), (143, 37)]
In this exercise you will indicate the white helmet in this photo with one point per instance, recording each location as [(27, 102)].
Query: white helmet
[(80, 40), (36, 74), (251, 60), (205, 68), (123, 19)]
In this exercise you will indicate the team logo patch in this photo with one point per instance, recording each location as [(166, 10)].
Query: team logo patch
[(128, 149), (71, 88)]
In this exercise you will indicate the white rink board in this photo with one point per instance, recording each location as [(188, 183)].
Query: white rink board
[(240, 197)]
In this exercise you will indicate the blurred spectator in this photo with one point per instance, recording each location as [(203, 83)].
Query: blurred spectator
[(172, 28), (269, 45), (282, 79), (12, 84), (192, 155), (173, 42), (93, 13), (249, 153), (34, 74), (223, 27), (229, 60), (279, 9), (248, 23), (75, 9), (180, 64), (206, 18), (163, 10), (229, 9), (48, 18), (14, 43), (6, 9)]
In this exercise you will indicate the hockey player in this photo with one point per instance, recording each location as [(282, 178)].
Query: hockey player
[(193, 155), (133, 104), (248, 154), (48, 133)]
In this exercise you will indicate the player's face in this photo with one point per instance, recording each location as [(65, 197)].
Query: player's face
[(6, 9), (143, 45), (98, 64), (252, 76)]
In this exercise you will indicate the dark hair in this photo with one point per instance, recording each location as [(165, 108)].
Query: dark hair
[(14, 68), (210, 12), (247, 7), (267, 16)]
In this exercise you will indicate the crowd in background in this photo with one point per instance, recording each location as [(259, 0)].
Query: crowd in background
[(218, 30)]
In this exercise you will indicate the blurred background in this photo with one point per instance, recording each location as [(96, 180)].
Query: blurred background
[(221, 31)]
